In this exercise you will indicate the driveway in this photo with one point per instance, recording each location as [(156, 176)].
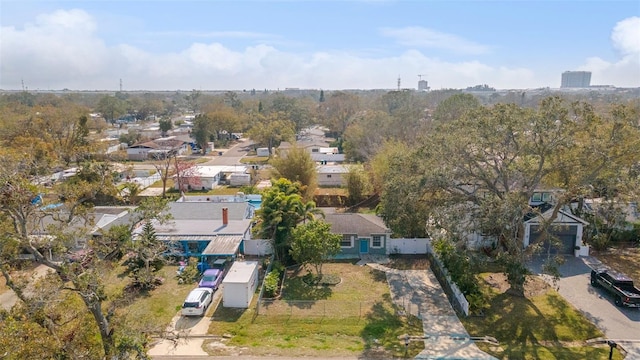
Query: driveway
[(595, 303), (186, 334), (420, 294)]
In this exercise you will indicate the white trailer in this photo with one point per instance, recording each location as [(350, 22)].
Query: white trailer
[(262, 151), (239, 179), (240, 284)]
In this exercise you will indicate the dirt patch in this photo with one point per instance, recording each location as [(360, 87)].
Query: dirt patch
[(626, 261), (409, 262), (218, 347), (533, 287)]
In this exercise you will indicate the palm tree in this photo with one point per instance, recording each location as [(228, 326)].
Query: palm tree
[(309, 211)]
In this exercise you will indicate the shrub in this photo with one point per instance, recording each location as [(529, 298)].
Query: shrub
[(271, 282), (190, 273)]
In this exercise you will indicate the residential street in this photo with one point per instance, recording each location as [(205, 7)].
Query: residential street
[(232, 155), (574, 285)]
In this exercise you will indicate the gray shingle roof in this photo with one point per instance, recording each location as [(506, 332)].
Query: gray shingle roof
[(354, 223), (209, 210)]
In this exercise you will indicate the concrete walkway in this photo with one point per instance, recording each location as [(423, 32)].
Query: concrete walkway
[(420, 294)]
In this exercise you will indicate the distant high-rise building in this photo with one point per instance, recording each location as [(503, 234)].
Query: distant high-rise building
[(576, 79), (423, 85)]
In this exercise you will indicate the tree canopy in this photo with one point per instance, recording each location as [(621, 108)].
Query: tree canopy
[(314, 244)]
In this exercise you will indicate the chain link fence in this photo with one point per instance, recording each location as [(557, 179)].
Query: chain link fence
[(315, 308)]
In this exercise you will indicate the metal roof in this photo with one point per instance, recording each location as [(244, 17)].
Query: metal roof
[(223, 245)]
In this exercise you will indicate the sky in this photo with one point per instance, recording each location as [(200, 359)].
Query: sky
[(330, 44)]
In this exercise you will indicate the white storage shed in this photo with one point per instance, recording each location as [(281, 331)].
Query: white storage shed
[(239, 284), (262, 151)]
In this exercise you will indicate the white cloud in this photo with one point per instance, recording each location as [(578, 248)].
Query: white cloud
[(215, 34), (62, 50), (625, 72), (420, 37), (626, 36)]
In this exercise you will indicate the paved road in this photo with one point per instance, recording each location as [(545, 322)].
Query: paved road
[(574, 285), (232, 155)]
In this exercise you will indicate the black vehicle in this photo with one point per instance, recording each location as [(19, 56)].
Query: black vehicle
[(619, 285)]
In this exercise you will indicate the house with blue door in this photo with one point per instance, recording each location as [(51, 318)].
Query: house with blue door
[(362, 234), (207, 228)]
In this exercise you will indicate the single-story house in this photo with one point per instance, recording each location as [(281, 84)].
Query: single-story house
[(328, 159), (332, 175), (93, 224), (156, 149), (362, 234), (566, 228), (206, 229), (312, 145), (208, 177)]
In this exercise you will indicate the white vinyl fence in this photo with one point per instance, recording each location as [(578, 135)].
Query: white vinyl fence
[(423, 246), (257, 247)]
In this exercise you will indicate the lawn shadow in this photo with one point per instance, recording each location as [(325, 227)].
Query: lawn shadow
[(296, 288), (384, 330), (519, 320), (227, 314), (378, 275)]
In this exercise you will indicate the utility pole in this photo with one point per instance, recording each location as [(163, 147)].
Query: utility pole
[(398, 82), (120, 85)]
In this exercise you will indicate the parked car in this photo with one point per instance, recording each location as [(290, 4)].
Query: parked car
[(619, 285), (211, 279), (197, 302)]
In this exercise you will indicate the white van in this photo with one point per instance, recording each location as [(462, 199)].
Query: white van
[(197, 302)]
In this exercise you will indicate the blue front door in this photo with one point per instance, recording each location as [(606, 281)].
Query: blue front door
[(364, 246)]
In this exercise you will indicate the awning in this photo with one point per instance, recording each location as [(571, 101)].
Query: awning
[(219, 245)]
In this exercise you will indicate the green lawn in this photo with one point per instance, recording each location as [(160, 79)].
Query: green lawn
[(358, 319), (540, 325), (150, 311)]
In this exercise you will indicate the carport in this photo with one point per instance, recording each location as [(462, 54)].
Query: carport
[(222, 246)]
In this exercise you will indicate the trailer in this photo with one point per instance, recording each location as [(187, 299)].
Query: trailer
[(240, 284), (262, 151)]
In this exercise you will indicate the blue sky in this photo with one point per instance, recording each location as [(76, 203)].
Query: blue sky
[(235, 45)]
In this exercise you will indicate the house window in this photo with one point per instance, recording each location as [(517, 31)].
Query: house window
[(377, 241), (328, 176), (192, 246), (347, 241), (546, 197), (315, 150), (537, 197)]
